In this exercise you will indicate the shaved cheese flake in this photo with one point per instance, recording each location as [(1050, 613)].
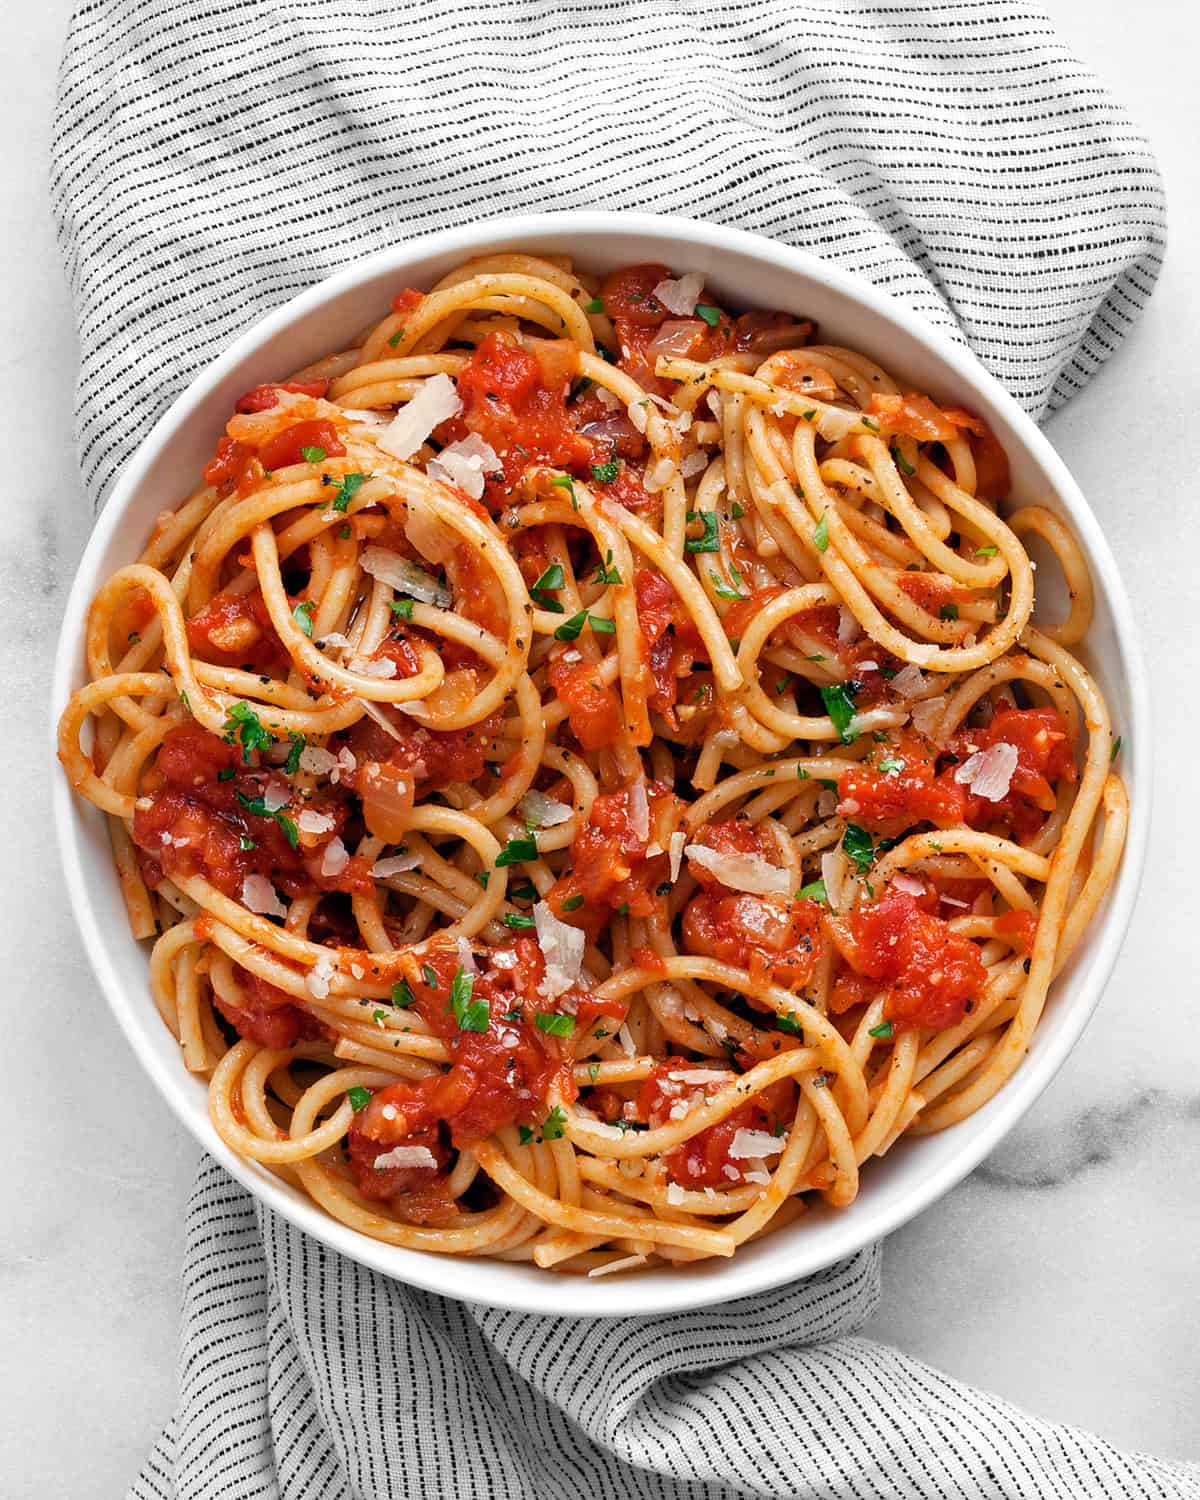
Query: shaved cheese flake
[(369, 666), (639, 811), (675, 848), (335, 858), (988, 773), (909, 682), (314, 822), (317, 762), (658, 475), (318, 978), (404, 576), (848, 630), (544, 812), (749, 1144), (466, 958), (834, 866), (260, 896), (406, 1156), (395, 864), (562, 948), (909, 884), (435, 402), (465, 464), (680, 296), (742, 872), (276, 795)]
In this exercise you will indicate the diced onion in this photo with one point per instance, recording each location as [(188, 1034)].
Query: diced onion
[(423, 529), (406, 1156), (544, 812), (675, 338), (395, 864), (989, 772), (562, 947), (834, 866), (675, 849), (435, 402), (639, 811), (404, 576), (680, 296), (742, 872), (261, 897)]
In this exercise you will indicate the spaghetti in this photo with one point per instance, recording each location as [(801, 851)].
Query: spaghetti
[(587, 771)]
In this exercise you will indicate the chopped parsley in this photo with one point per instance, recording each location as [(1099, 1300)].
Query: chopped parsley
[(359, 1098), (722, 589), (257, 808), (471, 1015), (902, 463), (839, 705), (606, 473), (517, 851), (553, 1024), (710, 540), (245, 724), (564, 482), (346, 488), (549, 583), (605, 572), (302, 614), (711, 315), (859, 846), (820, 534), (570, 629), (313, 455)]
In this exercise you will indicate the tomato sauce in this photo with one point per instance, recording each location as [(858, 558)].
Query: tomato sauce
[(236, 630), (497, 1077), (704, 1159), (194, 823), (609, 866), (672, 641), (267, 1015), (931, 976), (508, 405)]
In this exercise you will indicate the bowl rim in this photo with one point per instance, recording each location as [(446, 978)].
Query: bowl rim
[(668, 1291)]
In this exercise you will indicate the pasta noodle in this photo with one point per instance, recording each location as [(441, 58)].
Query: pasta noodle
[(588, 773)]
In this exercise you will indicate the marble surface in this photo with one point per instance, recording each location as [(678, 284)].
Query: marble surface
[(1061, 1275)]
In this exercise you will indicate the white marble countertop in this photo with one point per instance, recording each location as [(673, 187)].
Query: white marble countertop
[(1062, 1275)]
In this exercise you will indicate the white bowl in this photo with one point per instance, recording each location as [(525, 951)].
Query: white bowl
[(743, 269)]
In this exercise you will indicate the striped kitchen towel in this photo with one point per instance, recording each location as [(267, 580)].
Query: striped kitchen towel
[(212, 158)]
